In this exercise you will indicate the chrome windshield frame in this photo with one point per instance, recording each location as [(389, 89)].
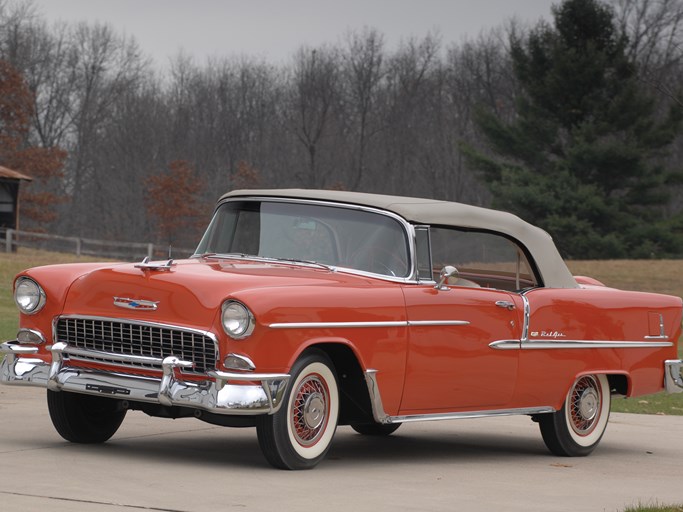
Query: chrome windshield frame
[(409, 232)]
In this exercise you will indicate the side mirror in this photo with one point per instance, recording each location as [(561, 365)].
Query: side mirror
[(447, 272)]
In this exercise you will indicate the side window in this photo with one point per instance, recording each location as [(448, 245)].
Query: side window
[(424, 258), (483, 259)]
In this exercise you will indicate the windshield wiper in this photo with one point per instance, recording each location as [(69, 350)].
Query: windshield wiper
[(241, 255), (305, 262), (226, 255)]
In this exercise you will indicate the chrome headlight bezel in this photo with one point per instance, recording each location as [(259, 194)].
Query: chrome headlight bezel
[(30, 337), (29, 296), (237, 320)]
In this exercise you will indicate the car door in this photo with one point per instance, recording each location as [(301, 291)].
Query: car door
[(451, 364)]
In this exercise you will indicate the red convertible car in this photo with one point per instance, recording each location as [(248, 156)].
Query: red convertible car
[(302, 310)]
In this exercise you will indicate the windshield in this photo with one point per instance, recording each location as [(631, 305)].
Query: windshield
[(328, 235)]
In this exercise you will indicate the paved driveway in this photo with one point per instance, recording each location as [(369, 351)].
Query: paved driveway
[(497, 464)]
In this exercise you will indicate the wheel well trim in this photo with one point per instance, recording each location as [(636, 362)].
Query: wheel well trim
[(619, 380), (321, 343)]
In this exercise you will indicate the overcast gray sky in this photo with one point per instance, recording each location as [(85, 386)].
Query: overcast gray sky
[(275, 29)]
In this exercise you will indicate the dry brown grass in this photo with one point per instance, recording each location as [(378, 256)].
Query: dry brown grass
[(660, 276)]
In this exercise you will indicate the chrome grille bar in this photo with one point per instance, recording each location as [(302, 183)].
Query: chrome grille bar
[(149, 341)]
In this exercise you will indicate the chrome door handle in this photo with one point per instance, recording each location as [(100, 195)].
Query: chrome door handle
[(505, 304)]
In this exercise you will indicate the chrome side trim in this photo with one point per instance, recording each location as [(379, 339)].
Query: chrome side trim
[(673, 375), (380, 416), (375, 398), (574, 344), (344, 325), (471, 414), (334, 325), (527, 317), (229, 393), (506, 345), (437, 322)]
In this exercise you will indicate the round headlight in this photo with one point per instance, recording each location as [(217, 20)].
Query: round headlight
[(29, 296), (238, 322)]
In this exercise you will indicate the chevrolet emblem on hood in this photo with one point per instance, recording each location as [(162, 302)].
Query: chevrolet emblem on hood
[(139, 304)]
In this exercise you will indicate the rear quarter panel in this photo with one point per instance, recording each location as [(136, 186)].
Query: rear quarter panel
[(595, 313)]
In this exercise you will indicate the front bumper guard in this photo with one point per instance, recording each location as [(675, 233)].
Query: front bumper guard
[(673, 375), (226, 393)]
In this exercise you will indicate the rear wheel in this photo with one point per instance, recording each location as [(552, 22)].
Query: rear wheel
[(84, 418), (299, 435), (576, 429), (375, 429)]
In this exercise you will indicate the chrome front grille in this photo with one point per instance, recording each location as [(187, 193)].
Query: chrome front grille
[(105, 336)]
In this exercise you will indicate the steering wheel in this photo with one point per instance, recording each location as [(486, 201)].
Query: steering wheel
[(380, 260)]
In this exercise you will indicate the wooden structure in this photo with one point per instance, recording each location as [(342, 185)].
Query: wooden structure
[(9, 197)]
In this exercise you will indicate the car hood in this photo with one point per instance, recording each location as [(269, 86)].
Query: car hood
[(190, 292)]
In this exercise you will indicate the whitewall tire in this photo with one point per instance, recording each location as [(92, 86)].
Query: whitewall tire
[(299, 435), (577, 428)]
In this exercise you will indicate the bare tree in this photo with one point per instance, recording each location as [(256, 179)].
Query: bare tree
[(107, 67), (364, 71), (655, 33), (310, 99), (409, 74)]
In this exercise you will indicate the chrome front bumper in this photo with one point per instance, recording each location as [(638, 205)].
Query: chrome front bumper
[(673, 376), (225, 393)]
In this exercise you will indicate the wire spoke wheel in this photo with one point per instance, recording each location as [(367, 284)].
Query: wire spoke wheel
[(310, 411), (584, 405), (299, 435), (577, 428)]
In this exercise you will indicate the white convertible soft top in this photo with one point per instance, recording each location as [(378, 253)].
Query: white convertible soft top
[(554, 271)]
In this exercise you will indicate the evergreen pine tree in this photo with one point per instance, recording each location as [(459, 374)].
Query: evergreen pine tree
[(583, 159)]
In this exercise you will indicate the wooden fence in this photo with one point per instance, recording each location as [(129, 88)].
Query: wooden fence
[(131, 251)]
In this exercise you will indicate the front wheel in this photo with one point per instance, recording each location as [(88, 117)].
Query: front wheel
[(84, 418), (576, 429), (299, 435)]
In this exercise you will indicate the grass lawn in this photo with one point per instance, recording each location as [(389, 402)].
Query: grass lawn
[(662, 276)]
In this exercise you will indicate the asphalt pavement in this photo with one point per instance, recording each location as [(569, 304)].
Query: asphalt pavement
[(494, 464)]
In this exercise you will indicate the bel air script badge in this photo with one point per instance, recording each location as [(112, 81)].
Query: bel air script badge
[(548, 334), (137, 304)]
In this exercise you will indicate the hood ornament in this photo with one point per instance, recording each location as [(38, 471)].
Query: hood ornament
[(137, 304), (151, 265)]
